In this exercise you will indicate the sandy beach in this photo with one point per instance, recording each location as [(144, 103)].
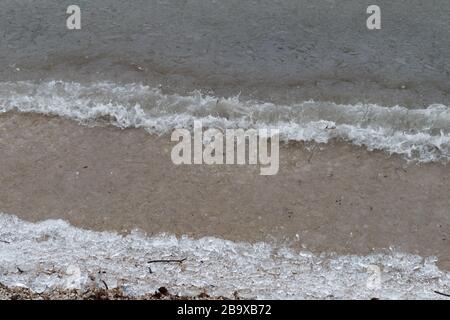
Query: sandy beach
[(326, 198), (89, 193)]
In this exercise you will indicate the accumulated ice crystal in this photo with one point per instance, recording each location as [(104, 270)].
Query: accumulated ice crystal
[(52, 254)]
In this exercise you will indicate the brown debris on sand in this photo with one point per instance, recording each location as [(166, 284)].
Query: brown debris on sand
[(17, 293)]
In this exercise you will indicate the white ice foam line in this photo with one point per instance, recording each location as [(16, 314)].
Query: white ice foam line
[(53, 254), (418, 134)]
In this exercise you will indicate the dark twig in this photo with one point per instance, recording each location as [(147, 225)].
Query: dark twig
[(106, 286), (442, 294), (168, 261), (4, 241)]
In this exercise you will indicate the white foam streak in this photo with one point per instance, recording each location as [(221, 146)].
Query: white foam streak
[(419, 134)]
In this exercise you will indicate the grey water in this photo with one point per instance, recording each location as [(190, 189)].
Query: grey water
[(282, 51)]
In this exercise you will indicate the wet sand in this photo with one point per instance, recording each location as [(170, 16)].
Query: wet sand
[(337, 197)]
